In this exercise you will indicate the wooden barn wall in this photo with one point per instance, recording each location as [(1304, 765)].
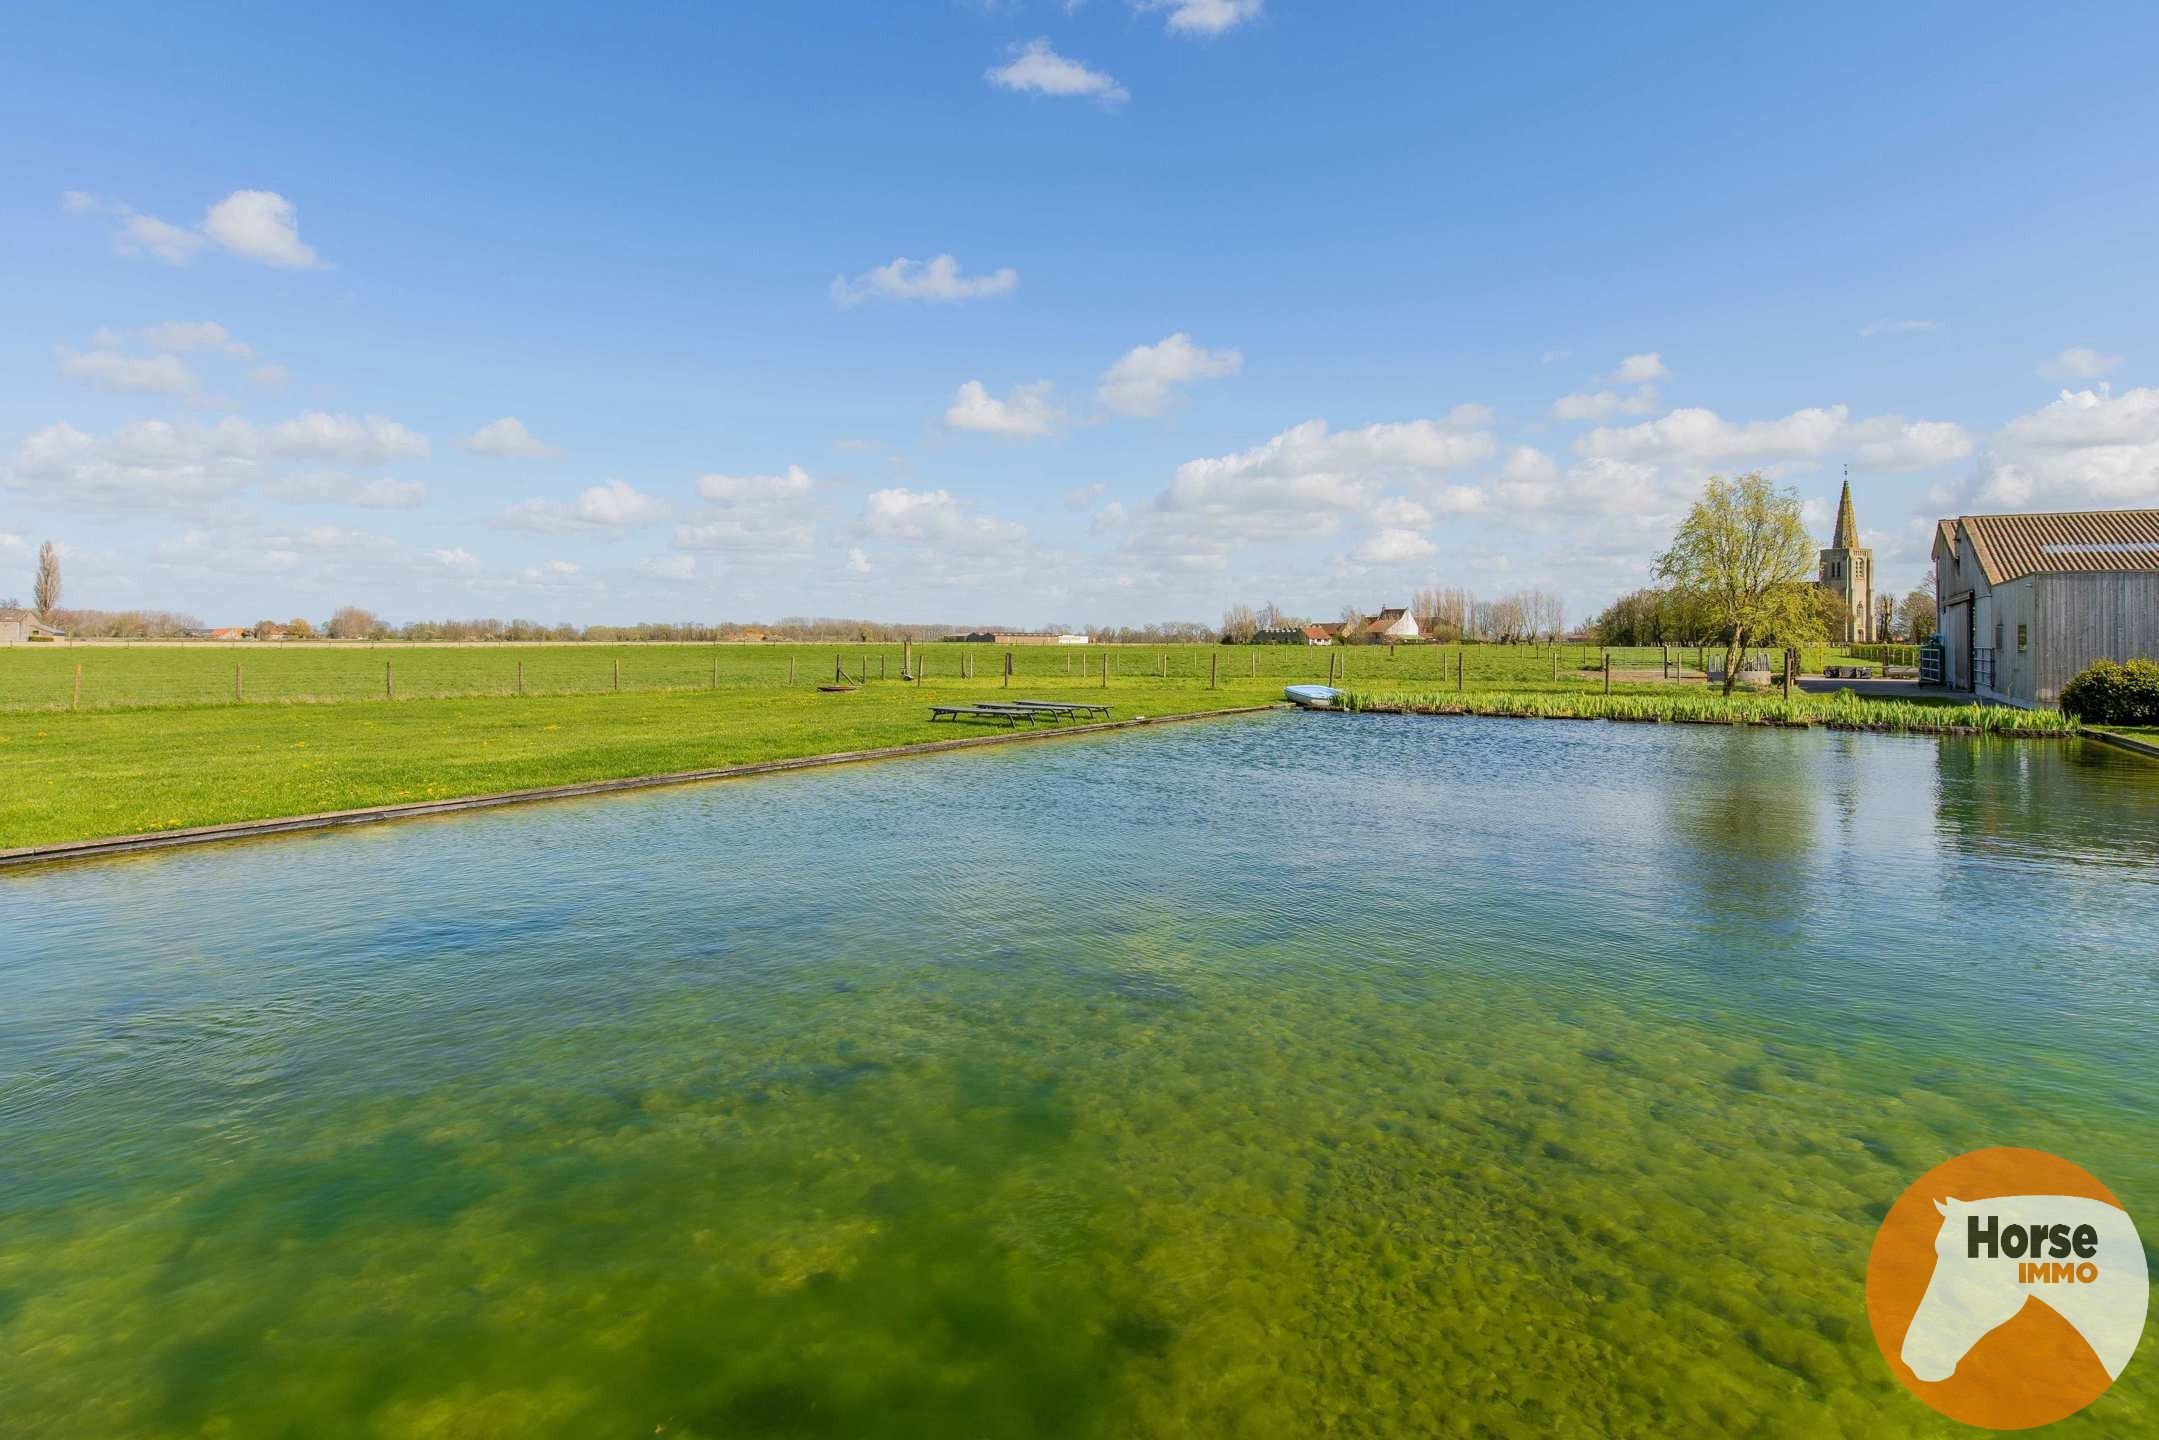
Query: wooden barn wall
[(2087, 617)]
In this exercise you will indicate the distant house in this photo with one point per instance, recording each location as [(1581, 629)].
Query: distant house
[(21, 627), (272, 631), (230, 632), (2026, 601), (1392, 624)]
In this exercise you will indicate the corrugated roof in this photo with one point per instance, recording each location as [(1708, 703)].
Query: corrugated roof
[(2010, 547)]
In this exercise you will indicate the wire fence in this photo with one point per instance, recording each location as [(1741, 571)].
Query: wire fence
[(105, 676)]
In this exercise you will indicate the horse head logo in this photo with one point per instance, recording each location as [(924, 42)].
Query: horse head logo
[(1992, 1257)]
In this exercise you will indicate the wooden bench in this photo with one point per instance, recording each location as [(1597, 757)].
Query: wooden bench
[(1061, 707), (1010, 714)]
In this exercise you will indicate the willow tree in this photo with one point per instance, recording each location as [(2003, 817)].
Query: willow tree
[(1744, 551)]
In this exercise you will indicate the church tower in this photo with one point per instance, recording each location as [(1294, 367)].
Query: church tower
[(1848, 573)]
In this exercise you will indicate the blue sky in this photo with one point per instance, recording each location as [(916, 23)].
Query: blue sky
[(597, 315)]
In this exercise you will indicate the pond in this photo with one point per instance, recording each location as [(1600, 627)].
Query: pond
[(1287, 1075)]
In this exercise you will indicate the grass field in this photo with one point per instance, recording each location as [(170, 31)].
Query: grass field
[(157, 744), (36, 677)]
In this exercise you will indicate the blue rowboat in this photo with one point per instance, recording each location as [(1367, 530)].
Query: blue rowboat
[(1312, 697)]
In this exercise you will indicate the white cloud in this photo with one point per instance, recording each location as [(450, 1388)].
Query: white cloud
[(2079, 362), (671, 567), (858, 561), (1641, 369), (1144, 381), (1203, 17), (388, 493), (794, 484), (938, 281), (1896, 327), (161, 462), (459, 559), (183, 336), (1036, 69), (136, 374), (1030, 412), (372, 440), (1082, 496), (613, 506), (260, 225), (1305, 481), (331, 488), (1604, 404), (508, 439), (933, 515), (2088, 447), (1642, 372), (270, 377), (1700, 438), (1399, 512), (140, 235), (1395, 547)]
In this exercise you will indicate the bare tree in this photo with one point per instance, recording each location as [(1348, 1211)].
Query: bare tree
[(353, 623), (45, 590), (1238, 624)]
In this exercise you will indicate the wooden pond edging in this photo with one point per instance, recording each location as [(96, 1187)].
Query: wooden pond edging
[(411, 810), (2134, 744)]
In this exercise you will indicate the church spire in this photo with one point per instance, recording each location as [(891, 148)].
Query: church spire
[(1847, 536)]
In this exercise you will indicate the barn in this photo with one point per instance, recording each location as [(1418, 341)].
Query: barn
[(22, 627), (2026, 601)]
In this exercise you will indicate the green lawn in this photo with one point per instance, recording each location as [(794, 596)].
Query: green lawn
[(39, 677), (157, 746)]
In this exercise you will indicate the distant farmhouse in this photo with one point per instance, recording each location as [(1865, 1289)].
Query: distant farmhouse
[(1296, 635), (2026, 601), (1847, 572), (1391, 624), (22, 627)]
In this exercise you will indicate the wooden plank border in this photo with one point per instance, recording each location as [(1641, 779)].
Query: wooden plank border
[(2135, 744), (378, 814)]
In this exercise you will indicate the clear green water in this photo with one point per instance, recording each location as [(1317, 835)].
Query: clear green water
[(1293, 1076)]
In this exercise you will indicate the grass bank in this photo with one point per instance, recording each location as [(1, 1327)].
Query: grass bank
[(124, 772), (1842, 711)]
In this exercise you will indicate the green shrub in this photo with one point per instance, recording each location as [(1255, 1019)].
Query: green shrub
[(2107, 693)]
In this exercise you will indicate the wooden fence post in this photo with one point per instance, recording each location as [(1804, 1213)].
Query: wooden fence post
[(1461, 667), (1105, 670), (618, 677), (76, 703), (1214, 670), (1008, 669), (790, 669), (715, 672), (389, 682), (235, 679), (1607, 672), (521, 676)]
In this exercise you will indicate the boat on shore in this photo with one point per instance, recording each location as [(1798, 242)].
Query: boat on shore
[(1313, 697)]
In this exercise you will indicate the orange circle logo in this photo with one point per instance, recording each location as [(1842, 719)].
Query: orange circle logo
[(2007, 1288)]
